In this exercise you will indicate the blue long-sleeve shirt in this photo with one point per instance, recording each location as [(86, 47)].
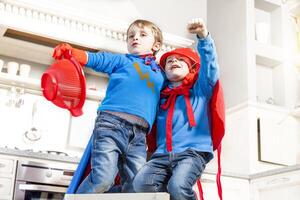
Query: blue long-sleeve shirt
[(133, 86), (184, 136)]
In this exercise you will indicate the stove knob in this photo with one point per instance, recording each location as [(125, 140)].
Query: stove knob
[(48, 174)]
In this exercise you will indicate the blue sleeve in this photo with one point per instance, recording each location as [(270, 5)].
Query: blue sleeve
[(209, 70), (104, 62)]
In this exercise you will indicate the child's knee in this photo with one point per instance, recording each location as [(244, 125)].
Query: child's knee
[(138, 183), (141, 184), (102, 187), (178, 189)]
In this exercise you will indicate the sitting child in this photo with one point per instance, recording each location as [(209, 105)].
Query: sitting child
[(184, 138)]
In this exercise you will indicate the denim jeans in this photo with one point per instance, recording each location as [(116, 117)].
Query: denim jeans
[(118, 146), (172, 173)]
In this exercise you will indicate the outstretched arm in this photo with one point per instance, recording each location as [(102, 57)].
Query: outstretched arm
[(100, 62), (209, 70)]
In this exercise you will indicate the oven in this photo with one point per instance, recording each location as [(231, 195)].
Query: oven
[(42, 181)]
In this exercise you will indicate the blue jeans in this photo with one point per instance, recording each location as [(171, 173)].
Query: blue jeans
[(172, 173), (118, 146)]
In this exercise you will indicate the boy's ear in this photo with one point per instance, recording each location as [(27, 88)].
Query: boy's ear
[(156, 46)]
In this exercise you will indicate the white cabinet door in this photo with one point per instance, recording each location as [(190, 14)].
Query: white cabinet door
[(233, 188), (6, 185), (7, 176), (277, 187), (278, 139), (82, 127), (7, 166)]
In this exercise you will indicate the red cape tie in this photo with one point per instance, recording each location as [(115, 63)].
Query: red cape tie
[(171, 94)]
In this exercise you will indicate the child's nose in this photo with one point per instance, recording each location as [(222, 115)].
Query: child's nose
[(135, 37), (174, 60)]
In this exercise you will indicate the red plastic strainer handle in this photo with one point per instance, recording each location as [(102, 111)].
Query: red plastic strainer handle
[(77, 111)]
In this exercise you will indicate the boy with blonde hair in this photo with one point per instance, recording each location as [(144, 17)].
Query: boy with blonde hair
[(128, 110)]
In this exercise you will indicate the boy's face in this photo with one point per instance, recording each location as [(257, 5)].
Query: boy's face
[(140, 41), (176, 68)]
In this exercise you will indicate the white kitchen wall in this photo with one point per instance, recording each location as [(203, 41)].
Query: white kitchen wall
[(170, 15)]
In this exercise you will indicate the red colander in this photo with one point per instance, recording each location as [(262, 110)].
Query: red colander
[(63, 83)]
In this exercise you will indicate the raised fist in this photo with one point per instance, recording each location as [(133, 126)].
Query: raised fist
[(197, 26)]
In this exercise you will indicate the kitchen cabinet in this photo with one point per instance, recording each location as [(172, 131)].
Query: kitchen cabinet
[(256, 55), (277, 137), (277, 187), (234, 188), (7, 177), (276, 184), (270, 66)]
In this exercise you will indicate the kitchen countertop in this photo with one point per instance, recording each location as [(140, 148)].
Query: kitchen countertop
[(70, 159), (38, 155), (282, 170), (124, 196)]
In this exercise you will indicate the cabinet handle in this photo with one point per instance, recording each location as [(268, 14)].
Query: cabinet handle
[(278, 180), (2, 165), (46, 188)]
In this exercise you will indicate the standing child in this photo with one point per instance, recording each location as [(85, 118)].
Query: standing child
[(184, 142), (128, 109)]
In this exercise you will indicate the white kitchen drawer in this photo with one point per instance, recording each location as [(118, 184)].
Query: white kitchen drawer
[(6, 165), (277, 187), (5, 186), (233, 188)]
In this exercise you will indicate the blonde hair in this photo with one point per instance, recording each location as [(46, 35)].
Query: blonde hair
[(154, 28)]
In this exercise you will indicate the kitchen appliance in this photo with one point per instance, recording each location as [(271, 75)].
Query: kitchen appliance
[(64, 84), (37, 180)]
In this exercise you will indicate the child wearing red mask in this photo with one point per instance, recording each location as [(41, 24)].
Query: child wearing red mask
[(184, 143)]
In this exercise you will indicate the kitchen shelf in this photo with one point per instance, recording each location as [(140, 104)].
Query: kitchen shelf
[(267, 5), (35, 53), (271, 107), (294, 7), (18, 81), (269, 22), (34, 84), (268, 55), (268, 89)]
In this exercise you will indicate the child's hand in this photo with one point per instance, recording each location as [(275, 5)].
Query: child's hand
[(197, 26), (61, 49)]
